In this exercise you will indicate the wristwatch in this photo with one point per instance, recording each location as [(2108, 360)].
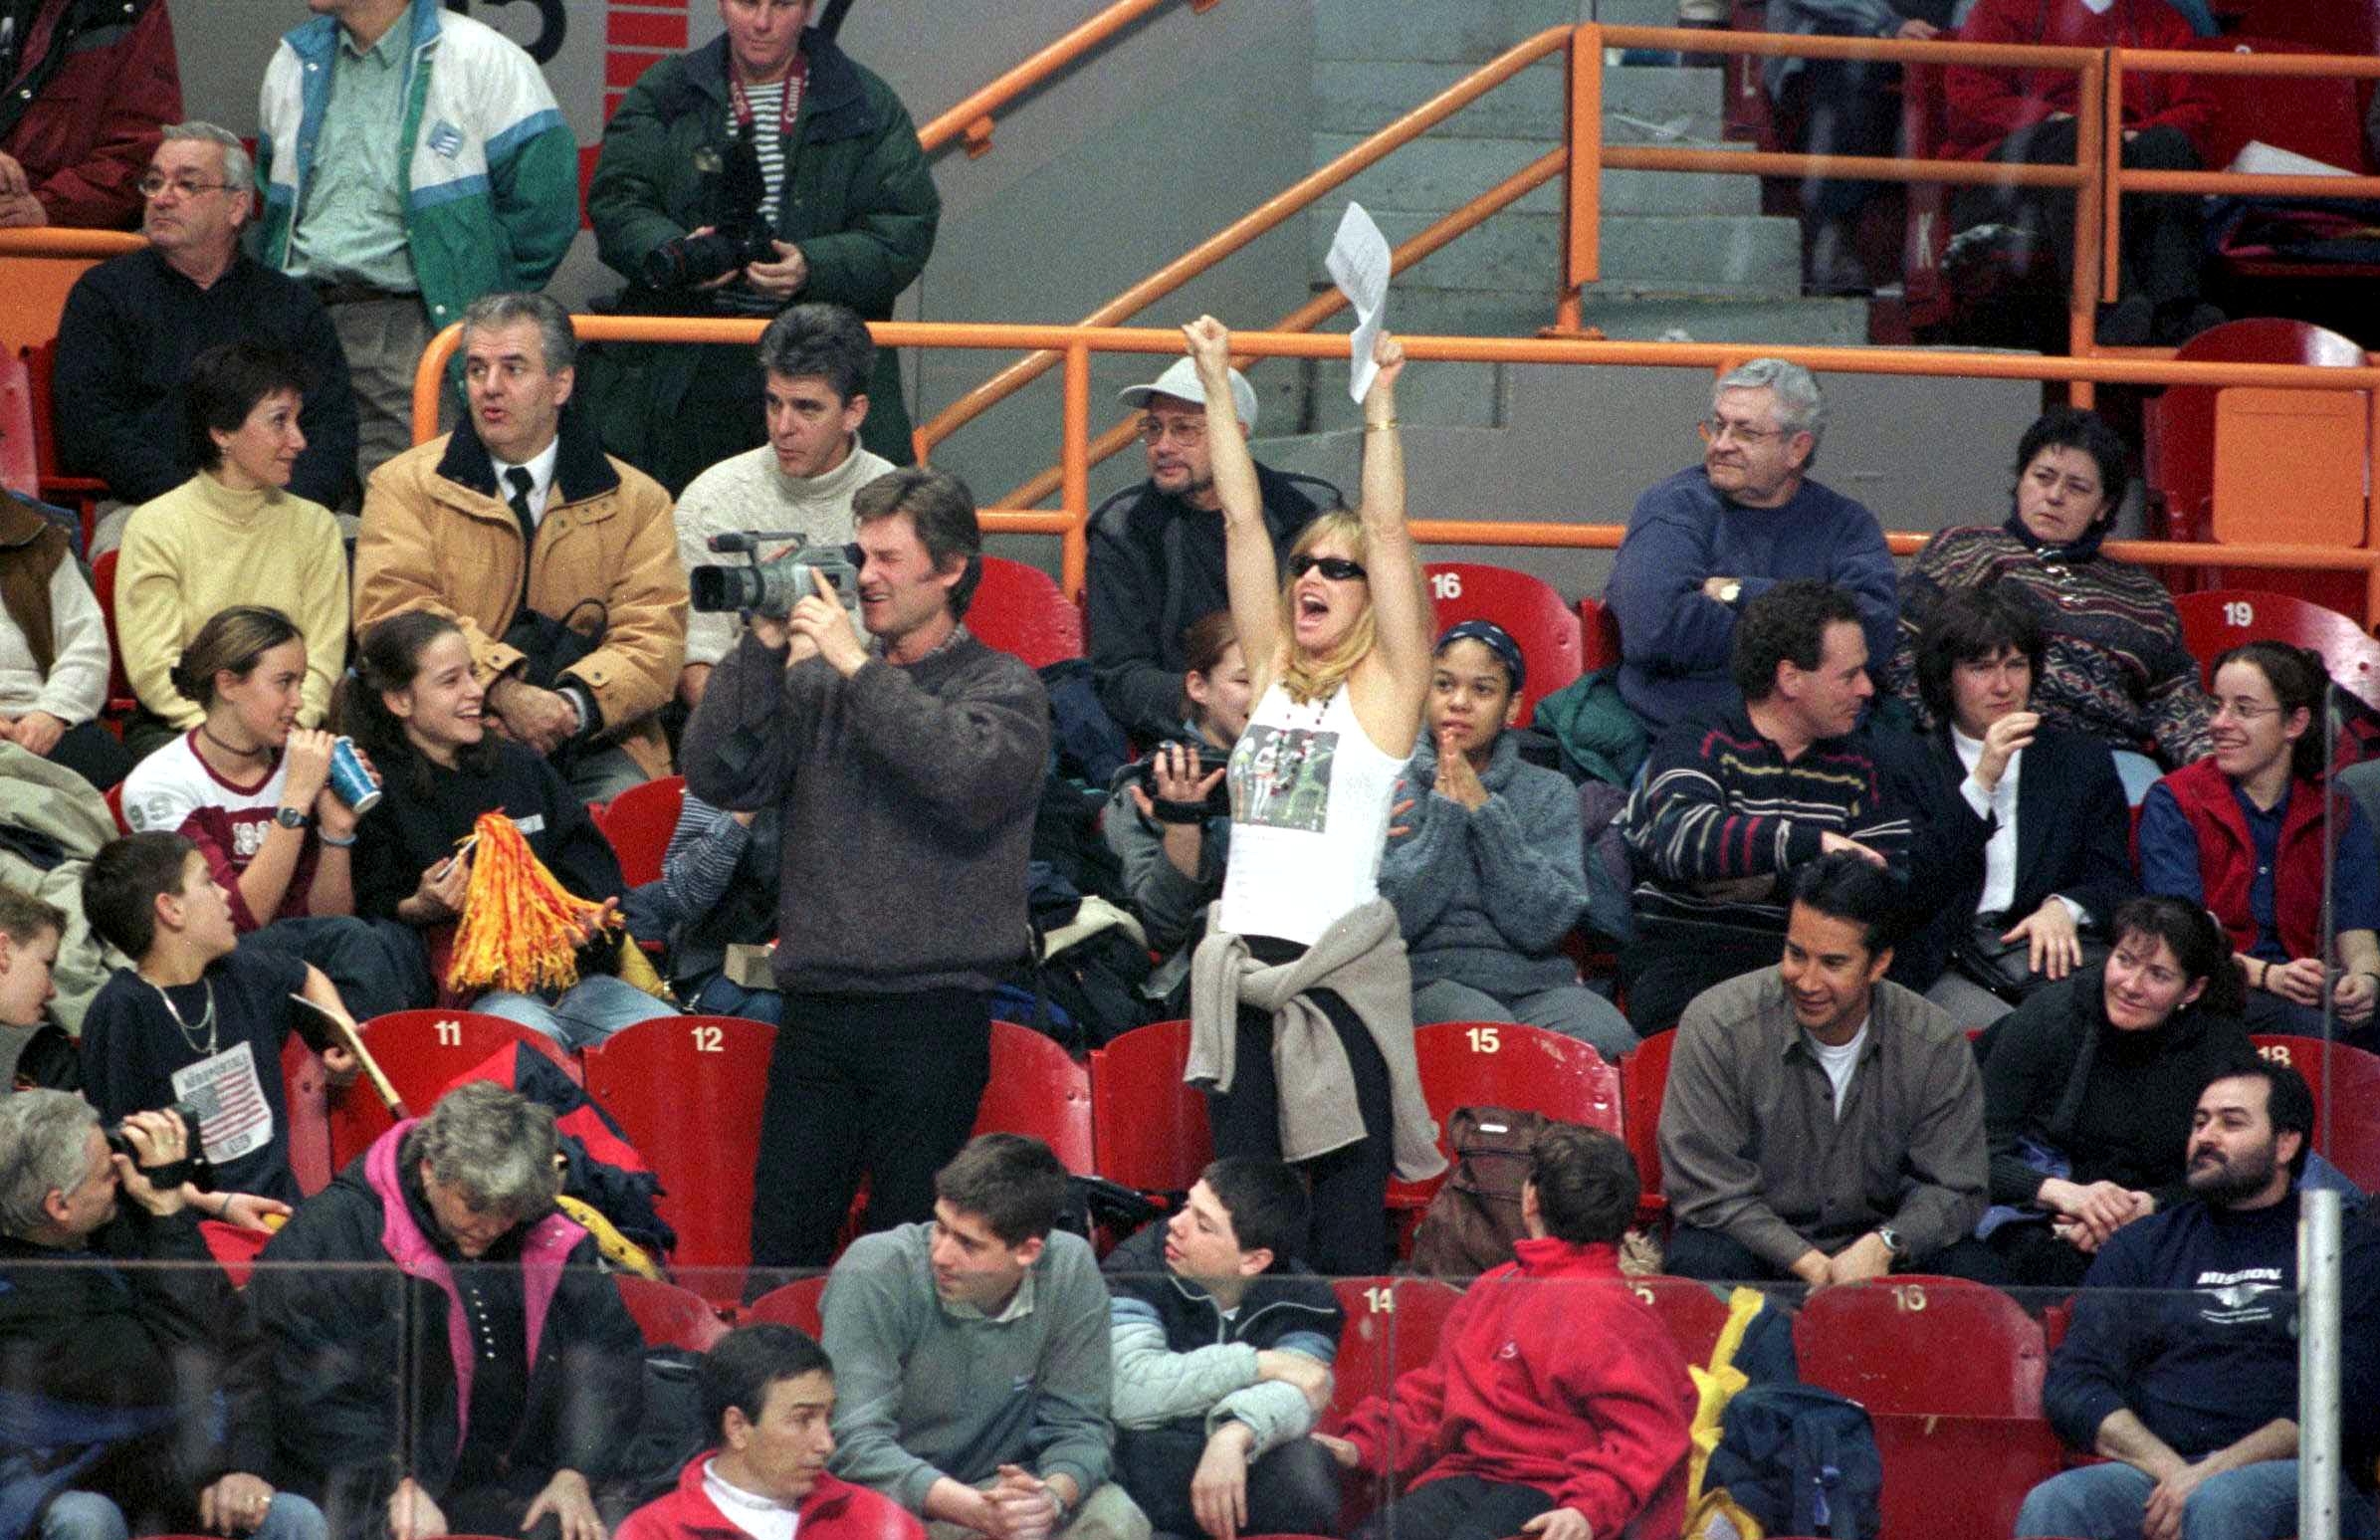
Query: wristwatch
[(292, 818), (1730, 592), (1894, 1243)]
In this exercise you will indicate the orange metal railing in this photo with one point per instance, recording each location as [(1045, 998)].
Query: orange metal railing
[(1076, 344), (971, 118)]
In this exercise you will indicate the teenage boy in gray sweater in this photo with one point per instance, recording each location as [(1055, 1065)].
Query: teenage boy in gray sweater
[(910, 759), (971, 1365)]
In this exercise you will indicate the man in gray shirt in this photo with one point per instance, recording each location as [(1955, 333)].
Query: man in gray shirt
[(971, 1359), (1819, 1123)]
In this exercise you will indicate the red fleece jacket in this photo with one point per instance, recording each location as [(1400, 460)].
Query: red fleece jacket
[(1984, 107), (1550, 1374), (834, 1510)]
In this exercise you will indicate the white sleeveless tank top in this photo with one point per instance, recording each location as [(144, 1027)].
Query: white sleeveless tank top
[(1310, 798)]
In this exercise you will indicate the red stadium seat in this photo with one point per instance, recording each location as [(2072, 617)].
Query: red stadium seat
[(1598, 635), (2214, 620), (121, 700), (2346, 1086), (688, 1090), (113, 796), (1039, 1088), (669, 1316), (82, 493), (422, 1052), (1019, 609), (1643, 1079), (20, 467), (1694, 1312), (306, 1091), (1392, 1325), (639, 822), (1502, 1064), (1528, 607), (1951, 1372), (792, 1304), (1148, 1129)]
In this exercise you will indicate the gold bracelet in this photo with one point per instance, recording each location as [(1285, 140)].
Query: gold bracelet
[(1379, 427)]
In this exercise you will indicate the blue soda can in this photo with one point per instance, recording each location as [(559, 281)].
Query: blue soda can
[(351, 782)]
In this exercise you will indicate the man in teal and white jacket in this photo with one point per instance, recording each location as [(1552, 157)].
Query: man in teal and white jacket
[(409, 161)]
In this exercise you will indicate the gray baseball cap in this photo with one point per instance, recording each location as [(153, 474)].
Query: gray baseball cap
[(1181, 382)]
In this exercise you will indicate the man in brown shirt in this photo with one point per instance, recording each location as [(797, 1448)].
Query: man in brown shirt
[(1819, 1123)]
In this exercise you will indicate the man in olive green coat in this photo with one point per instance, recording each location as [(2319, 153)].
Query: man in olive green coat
[(773, 135)]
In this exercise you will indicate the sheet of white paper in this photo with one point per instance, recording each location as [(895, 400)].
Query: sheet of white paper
[(2258, 158), (1358, 265)]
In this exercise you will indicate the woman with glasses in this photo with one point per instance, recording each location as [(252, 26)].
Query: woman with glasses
[(2243, 832), (232, 534), (2117, 668), (1301, 1003)]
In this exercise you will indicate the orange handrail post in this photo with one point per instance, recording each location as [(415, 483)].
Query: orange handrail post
[(2092, 232), (971, 118), (1583, 253), (1074, 561), (2112, 128)]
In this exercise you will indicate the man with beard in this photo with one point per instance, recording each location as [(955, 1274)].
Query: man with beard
[(2189, 1392)]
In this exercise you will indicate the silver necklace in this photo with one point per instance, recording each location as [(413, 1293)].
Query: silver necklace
[(206, 1023)]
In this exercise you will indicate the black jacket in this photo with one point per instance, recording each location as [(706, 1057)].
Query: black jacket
[(105, 1338), (1157, 568), (2117, 1104), (2074, 832), (131, 329)]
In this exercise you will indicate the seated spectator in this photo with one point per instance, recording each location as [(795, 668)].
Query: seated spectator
[(2181, 1365), (920, 1318), (816, 362), (230, 534), (52, 822), (2089, 1091), (1486, 864), (447, 1356), (30, 932), (89, 86), (719, 879), (195, 1020), (133, 324), (116, 1321), (1822, 1123), (2115, 667), (774, 141), (1707, 541), (2026, 115), (769, 1398), (2243, 832), (2029, 831), (579, 646), (1223, 1342), (414, 705), (1157, 549), (1841, 106), (52, 649), (1727, 811), (1173, 844), (251, 790), (1556, 1404)]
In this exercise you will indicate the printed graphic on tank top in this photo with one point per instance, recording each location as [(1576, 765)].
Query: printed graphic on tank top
[(1310, 795)]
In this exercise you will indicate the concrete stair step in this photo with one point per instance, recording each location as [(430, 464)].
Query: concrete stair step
[(1822, 322), (1736, 256), (1465, 32), (1362, 97), (1433, 176)]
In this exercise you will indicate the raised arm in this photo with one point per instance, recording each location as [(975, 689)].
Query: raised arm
[(1400, 613), (1250, 575)]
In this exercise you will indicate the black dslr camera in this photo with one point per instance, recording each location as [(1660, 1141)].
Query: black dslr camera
[(738, 237)]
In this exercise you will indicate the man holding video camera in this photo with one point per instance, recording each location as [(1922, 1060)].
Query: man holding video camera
[(905, 767), (761, 168)]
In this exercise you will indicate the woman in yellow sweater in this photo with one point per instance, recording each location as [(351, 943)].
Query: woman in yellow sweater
[(230, 534)]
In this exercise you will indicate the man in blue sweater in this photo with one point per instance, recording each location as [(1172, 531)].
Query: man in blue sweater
[(1710, 540), (2190, 1392)]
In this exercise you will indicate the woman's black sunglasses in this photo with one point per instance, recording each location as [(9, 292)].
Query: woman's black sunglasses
[(1336, 568)]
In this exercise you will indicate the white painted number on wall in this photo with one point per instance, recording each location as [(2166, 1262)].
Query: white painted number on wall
[(708, 1039), (1379, 1300), (1485, 1039), (450, 1034), (2238, 612), (1445, 586)]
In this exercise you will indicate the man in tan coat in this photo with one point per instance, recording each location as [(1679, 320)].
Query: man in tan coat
[(560, 562)]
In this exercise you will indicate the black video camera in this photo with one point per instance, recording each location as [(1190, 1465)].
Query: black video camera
[(1208, 760), (173, 1173), (772, 587), (738, 237)]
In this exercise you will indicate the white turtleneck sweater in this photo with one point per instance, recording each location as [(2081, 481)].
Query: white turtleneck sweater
[(748, 491), (203, 548)]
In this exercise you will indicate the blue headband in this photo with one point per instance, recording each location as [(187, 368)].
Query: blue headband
[(1496, 639)]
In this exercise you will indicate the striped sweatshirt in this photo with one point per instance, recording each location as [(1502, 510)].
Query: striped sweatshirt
[(1722, 817)]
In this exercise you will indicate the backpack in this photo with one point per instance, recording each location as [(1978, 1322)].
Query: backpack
[(1476, 1216), (1800, 1461)]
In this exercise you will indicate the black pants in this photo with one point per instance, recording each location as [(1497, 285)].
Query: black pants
[(1716, 1258), (2162, 248), (1843, 107), (881, 1085), (1458, 1508), (1293, 1490), (377, 965), (1672, 961), (1350, 1185), (92, 753)]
